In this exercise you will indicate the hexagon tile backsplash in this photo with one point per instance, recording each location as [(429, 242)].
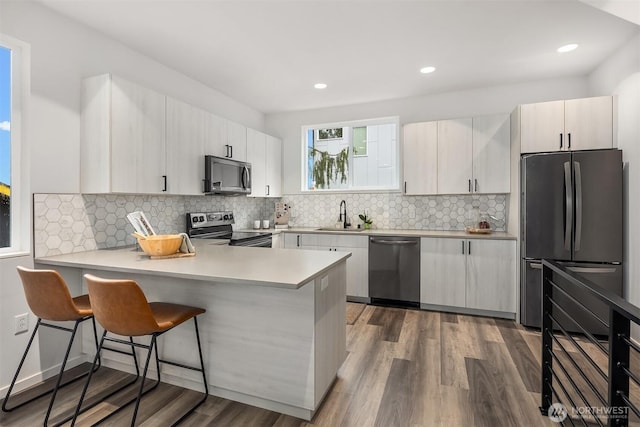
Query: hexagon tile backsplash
[(66, 223)]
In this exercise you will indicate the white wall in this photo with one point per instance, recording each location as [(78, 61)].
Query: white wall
[(500, 99), (62, 54), (620, 75)]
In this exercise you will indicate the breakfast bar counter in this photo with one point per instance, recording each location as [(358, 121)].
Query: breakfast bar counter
[(274, 334)]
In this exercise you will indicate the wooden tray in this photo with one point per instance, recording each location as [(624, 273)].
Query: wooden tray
[(176, 255), (472, 230)]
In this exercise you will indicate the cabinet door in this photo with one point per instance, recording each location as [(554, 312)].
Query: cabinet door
[(455, 156), (216, 142), (491, 275), (491, 154), (589, 123), (542, 127), (256, 153), (187, 135), (138, 153), (442, 272), (420, 154), (357, 272), (290, 240), (273, 166), (237, 140)]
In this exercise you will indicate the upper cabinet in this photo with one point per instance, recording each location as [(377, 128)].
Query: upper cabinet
[(491, 154), (420, 151), (123, 144), (576, 124), (459, 156), (135, 140), (264, 152), (455, 156)]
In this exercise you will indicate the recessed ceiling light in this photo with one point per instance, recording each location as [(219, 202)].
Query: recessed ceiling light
[(567, 48), (427, 70), (320, 85)]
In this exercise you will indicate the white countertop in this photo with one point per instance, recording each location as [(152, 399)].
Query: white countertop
[(453, 234), (284, 268)]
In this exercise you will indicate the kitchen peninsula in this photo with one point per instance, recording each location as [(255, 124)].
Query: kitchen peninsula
[(274, 333)]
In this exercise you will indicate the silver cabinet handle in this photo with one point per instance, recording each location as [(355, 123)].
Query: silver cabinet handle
[(469, 246), (469, 186), (405, 186), (268, 190), (298, 240), (561, 141), (231, 151), (568, 206), (476, 185), (463, 247), (569, 141)]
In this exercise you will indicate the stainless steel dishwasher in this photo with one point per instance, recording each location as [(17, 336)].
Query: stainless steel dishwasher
[(394, 270)]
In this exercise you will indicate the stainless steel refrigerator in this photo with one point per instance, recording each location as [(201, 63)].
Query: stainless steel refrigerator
[(571, 212)]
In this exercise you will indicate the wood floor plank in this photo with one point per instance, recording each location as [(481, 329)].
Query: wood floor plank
[(449, 317), (391, 321), (396, 407), (528, 366), (354, 310)]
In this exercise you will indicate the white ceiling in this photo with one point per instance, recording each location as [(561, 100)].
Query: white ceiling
[(269, 53)]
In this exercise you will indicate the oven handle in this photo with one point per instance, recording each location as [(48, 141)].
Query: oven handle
[(266, 243)]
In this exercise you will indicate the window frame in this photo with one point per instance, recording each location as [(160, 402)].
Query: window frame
[(350, 124), (20, 243)]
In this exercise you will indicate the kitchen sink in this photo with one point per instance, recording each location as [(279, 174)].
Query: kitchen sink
[(339, 229)]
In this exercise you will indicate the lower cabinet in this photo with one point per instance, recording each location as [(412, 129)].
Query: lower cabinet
[(357, 263), (478, 274)]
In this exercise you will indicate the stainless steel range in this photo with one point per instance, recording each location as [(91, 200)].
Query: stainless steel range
[(217, 225)]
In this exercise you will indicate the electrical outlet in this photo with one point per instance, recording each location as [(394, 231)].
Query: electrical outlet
[(21, 323)]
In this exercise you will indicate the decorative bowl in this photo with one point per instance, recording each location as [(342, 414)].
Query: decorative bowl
[(161, 244)]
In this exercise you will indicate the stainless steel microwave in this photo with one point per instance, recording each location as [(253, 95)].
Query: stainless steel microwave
[(226, 176)]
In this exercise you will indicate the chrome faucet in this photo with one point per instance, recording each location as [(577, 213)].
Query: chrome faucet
[(343, 219)]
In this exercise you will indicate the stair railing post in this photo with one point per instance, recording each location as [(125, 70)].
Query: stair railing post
[(547, 341), (619, 328)]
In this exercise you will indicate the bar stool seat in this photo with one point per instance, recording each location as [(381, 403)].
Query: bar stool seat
[(121, 308), (49, 299)]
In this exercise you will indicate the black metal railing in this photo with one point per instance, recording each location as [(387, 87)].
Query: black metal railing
[(586, 374)]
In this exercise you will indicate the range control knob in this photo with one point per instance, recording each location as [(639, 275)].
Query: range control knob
[(225, 217), (201, 218), (230, 216)]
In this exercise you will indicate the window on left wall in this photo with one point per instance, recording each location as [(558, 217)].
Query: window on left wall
[(14, 191)]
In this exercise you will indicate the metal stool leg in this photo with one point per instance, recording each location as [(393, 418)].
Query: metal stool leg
[(59, 383)]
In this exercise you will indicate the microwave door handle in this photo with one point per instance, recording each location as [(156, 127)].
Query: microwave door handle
[(246, 178)]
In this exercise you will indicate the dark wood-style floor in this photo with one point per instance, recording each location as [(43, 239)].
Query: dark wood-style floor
[(404, 368)]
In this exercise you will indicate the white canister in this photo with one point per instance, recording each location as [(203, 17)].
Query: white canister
[(256, 224), (265, 223)]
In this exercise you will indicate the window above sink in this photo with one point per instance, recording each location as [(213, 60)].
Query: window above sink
[(351, 156)]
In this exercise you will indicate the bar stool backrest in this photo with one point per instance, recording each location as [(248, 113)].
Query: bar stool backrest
[(48, 296), (121, 307)]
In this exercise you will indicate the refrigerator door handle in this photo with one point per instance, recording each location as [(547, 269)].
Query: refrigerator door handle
[(568, 205), (592, 270), (536, 265), (578, 175)]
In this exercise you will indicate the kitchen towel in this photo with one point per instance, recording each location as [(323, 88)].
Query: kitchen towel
[(186, 247)]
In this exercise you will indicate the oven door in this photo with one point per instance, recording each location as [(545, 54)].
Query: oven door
[(260, 242)]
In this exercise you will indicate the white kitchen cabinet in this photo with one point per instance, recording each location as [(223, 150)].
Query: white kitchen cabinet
[(455, 155), (443, 272), (264, 152), (477, 274), (122, 144), (491, 154), (420, 155), (460, 156), (575, 124), (235, 146), (189, 130), (357, 263)]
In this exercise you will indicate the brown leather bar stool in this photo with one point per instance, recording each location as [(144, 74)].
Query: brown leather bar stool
[(49, 299), (121, 308)]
